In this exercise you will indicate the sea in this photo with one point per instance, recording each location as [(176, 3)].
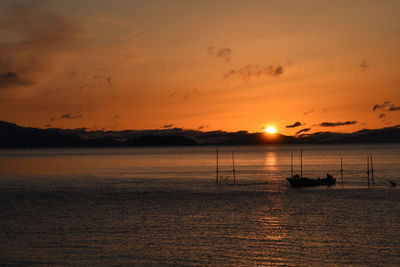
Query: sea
[(161, 206)]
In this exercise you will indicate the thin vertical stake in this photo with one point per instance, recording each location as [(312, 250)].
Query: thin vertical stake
[(372, 171), (216, 178), (301, 163), (233, 167), (341, 168), (291, 164), (368, 170)]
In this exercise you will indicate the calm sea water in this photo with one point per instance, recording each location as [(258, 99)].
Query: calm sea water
[(160, 206)]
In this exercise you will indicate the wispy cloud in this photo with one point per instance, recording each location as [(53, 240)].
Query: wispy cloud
[(381, 106), (294, 125), (67, 116), (70, 116), (202, 127), (185, 94), (254, 71), (363, 65), (168, 126), (335, 124), (384, 109), (11, 79), (224, 53), (173, 94), (308, 112), (394, 108), (303, 130), (42, 36), (191, 93)]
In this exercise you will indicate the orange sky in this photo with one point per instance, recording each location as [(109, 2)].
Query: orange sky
[(213, 65)]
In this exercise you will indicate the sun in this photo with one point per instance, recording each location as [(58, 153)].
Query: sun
[(270, 130)]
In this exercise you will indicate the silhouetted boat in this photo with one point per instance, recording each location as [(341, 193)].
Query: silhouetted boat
[(297, 181), (300, 181)]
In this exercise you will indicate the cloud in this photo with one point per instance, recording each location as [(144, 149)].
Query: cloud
[(173, 94), (303, 130), (254, 71), (108, 79), (192, 93), (224, 53), (394, 108), (32, 40), (168, 126), (363, 65), (184, 95), (380, 106), (308, 112), (387, 106), (202, 127), (11, 79), (294, 125), (383, 108), (335, 124), (66, 116), (70, 116)]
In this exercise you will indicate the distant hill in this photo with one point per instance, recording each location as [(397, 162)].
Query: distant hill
[(384, 135), (14, 136)]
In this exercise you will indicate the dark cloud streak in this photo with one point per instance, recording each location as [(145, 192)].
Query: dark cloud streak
[(254, 71), (394, 108), (224, 53), (294, 125), (363, 65), (70, 116), (11, 79), (380, 106), (336, 124), (303, 130)]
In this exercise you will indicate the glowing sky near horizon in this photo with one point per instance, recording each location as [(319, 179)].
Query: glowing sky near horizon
[(230, 65)]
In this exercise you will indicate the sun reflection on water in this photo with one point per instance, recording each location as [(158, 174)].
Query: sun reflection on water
[(270, 161)]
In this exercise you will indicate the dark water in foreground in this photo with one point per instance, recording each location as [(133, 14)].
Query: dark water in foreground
[(153, 206)]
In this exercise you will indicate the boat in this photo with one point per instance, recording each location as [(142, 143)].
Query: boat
[(300, 181), (297, 181)]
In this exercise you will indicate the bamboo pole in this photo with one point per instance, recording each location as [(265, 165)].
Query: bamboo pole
[(372, 170), (291, 164), (216, 177), (233, 168), (368, 170), (301, 163), (341, 168)]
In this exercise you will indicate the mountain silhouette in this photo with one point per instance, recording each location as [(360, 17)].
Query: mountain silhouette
[(14, 136)]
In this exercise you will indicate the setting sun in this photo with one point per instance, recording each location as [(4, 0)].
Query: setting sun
[(270, 130)]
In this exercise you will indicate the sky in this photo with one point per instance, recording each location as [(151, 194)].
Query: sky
[(300, 66)]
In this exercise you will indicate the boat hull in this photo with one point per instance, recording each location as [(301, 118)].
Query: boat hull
[(305, 182)]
